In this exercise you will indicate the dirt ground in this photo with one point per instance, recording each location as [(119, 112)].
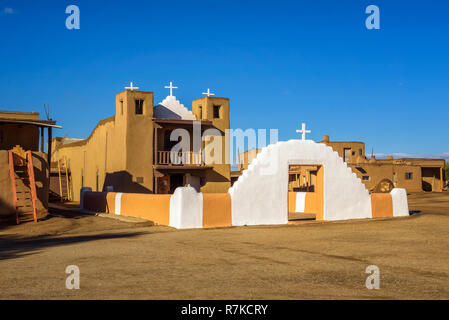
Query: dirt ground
[(129, 260)]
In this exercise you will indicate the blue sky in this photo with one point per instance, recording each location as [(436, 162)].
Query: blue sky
[(280, 63)]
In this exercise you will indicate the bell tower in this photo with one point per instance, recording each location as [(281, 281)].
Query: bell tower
[(216, 110), (134, 125)]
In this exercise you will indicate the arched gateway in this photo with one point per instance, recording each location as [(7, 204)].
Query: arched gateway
[(260, 194)]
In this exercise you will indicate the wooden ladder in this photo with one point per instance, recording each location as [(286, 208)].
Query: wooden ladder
[(23, 185), (64, 180)]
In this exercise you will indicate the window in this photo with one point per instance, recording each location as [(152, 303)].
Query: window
[(408, 175), (365, 178), (139, 179), (139, 106), (201, 112), (360, 152), (121, 107), (217, 112)]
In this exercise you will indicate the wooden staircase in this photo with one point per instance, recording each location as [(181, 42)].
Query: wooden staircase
[(23, 185)]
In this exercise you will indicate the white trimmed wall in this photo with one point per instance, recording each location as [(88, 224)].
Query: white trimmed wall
[(259, 196)]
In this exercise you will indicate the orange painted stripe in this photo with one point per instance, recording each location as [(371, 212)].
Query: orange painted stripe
[(154, 207), (292, 201), (314, 200), (217, 210), (110, 202), (381, 205)]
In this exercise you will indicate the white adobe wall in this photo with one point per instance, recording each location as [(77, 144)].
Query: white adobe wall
[(260, 195), (300, 202), (400, 203), (186, 208)]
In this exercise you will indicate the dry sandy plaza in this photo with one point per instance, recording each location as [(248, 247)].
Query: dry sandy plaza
[(134, 259)]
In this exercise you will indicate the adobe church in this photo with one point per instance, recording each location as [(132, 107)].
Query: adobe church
[(130, 151)]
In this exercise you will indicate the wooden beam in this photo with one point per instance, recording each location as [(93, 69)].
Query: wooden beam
[(42, 139), (49, 147)]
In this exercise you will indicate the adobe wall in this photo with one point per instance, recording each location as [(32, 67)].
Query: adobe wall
[(378, 172), (27, 136), (357, 147), (119, 150)]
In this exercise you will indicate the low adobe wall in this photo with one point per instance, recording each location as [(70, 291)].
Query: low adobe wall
[(186, 208), (152, 207), (383, 205), (259, 196)]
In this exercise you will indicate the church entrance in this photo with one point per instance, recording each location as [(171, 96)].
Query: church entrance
[(305, 192)]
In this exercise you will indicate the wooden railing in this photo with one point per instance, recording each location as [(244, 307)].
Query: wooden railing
[(179, 158)]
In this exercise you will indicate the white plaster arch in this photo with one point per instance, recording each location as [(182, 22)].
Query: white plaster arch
[(260, 195)]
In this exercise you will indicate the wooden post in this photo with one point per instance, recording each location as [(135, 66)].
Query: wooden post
[(49, 150), (42, 139), (155, 161), (60, 182), (67, 179), (441, 179)]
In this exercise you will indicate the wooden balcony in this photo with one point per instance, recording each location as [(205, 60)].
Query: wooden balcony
[(170, 158)]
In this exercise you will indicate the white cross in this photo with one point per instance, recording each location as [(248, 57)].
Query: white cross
[(131, 87), (171, 88), (208, 93), (303, 131)]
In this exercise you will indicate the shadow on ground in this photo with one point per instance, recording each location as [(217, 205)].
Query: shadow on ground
[(12, 247)]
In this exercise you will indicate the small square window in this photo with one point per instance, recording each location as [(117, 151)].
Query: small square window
[(217, 112), (139, 179), (365, 178), (408, 175), (139, 106)]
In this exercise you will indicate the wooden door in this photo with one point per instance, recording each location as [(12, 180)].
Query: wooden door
[(163, 185)]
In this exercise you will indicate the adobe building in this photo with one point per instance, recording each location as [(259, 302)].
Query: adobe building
[(130, 151), (21, 132), (414, 175)]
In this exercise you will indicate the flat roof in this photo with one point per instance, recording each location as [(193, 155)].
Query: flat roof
[(38, 123)]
